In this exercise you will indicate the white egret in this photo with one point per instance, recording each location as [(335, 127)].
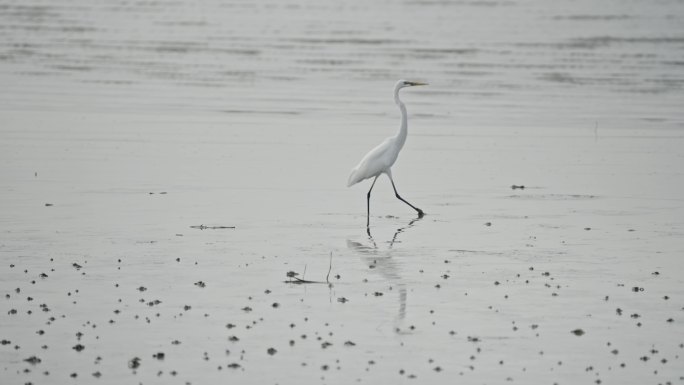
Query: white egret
[(379, 160)]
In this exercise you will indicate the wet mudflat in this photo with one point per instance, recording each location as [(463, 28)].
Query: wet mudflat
[(165, 167)]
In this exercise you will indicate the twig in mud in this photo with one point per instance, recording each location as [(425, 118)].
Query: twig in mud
[(294, 279), (203, 227), (327, 277)]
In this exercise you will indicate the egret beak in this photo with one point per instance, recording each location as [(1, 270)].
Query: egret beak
[(417, 84)]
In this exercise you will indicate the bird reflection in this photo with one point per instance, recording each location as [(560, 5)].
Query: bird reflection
[(384, 263)]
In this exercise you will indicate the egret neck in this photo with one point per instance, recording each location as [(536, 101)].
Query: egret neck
[(403, 130)]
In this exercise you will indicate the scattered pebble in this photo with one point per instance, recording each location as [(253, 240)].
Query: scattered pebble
[(134, 363), (33, 360)]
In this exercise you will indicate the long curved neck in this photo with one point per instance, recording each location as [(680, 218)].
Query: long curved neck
[(403, 129)]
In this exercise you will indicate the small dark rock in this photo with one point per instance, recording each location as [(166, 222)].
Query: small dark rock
[(33, 360)]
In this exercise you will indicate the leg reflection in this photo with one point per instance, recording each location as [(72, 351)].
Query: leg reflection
[(385, 263)]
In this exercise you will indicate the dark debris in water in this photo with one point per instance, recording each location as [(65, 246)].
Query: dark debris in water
[(134, 363), (33, 360), (203, 227)]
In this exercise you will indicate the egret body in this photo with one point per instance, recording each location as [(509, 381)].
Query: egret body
[(380, 159)]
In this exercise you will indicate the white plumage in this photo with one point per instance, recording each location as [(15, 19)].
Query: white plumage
[(380, 159), (377, 161)]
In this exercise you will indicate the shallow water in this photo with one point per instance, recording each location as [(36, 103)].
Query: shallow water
[(124, 124)]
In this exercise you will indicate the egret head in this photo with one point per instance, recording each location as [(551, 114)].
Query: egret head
[(407, 83)]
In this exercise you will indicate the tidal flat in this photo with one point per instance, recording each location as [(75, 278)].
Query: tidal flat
[(169, 171)]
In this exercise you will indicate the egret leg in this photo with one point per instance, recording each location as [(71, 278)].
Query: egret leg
[(368, 204), (396, 193)]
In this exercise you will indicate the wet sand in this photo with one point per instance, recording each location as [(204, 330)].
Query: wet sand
[(119, 176)]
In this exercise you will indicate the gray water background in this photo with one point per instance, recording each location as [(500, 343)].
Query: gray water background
[(615, 63)]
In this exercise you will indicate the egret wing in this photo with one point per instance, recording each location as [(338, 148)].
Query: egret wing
[(377, 160)]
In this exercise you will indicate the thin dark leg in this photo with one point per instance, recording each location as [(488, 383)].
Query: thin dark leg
[(368, 204), (420, 212)]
